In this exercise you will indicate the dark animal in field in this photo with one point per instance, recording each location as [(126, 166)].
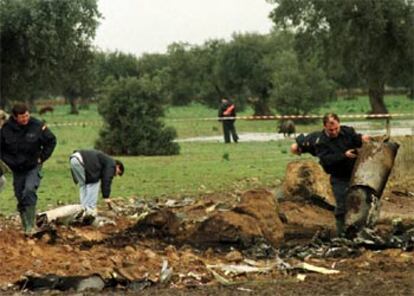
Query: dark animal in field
[(287, 127), (45, 110)]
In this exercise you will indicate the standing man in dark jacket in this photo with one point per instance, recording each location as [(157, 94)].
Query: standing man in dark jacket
[(89, 169), (25, 144), (228, 109), (335, 147)]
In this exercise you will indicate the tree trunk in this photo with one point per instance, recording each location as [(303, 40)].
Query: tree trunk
[(73, 105), (32, 105), (411, 94), (3, 102), (261, 107), (261, 104), (376, 98)]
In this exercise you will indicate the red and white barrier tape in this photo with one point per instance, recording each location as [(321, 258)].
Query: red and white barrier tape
[(266, 117), (76, 123), (281, 117)]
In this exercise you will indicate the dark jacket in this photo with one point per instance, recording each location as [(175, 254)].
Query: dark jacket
[(99, 166), (21, 146), (227, 109), (331, 152), (307, 144)]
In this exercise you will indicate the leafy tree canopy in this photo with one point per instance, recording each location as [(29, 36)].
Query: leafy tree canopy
[(131, 109), (372, 37), (41, 42)]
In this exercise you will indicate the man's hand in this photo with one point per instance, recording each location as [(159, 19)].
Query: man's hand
[(108, 203), (366, 138), (294, 149), (351, 153)]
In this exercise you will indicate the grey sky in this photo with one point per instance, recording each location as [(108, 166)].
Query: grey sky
[(139, 26)]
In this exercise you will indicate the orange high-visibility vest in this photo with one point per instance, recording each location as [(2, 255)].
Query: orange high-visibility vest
[(229, 110)]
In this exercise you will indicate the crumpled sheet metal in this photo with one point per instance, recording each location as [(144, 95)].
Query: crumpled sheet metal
[(374, 164), (367, 238), (61, 215), (370, 175)]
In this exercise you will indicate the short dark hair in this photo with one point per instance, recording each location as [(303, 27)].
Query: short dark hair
[(329, 116), (19, 108), (121, 166)]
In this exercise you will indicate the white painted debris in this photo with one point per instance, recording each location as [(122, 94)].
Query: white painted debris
[(310, 267), (63, 215), (166, 273), (237, 269), (221, 279)]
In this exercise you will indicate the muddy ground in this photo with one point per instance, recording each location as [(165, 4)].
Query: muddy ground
[(134, 254)]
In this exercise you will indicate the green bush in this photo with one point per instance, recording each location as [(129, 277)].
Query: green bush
[(131, 109)]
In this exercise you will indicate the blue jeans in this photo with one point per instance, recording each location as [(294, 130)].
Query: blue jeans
[(88, 192)]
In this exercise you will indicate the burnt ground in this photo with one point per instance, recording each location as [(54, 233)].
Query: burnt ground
[(123, 251)]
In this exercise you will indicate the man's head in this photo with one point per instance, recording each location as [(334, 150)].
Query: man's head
[(331, 125), (21, 113), (119, 171), (224, 100)]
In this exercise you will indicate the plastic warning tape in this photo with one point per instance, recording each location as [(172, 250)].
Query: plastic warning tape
[(293, 117), (76, 123), (264, 117)]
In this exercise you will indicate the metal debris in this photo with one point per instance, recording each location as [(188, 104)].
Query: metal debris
[(314, 268), (62, 283), (233, 269), (367, 238), (61, 215), (370, 175), (70, 214), (166, 273)]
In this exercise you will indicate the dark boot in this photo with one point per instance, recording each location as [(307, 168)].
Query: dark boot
[(30, 214), (23, 219), (340, 226)]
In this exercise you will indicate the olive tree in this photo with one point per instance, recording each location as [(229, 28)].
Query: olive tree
[(132, 110), (43, 43), (373, 38)]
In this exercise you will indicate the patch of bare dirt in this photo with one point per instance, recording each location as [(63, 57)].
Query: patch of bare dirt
[(176, 232)]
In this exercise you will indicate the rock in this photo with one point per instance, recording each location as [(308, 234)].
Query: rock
[(171, 253), (94, 282), (234, 256)]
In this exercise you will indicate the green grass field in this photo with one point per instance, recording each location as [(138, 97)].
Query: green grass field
[(200, 168)]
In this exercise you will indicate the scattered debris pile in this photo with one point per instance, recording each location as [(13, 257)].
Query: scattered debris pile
[(367, 238), (217, 239), (251, 223)]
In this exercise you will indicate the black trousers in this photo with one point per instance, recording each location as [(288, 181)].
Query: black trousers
[(25, 186), (228, 128), (340, 189)]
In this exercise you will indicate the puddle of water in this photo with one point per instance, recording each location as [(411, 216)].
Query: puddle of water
[(265, 137)]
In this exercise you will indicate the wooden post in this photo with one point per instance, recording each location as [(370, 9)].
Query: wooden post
[(388, 127)]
